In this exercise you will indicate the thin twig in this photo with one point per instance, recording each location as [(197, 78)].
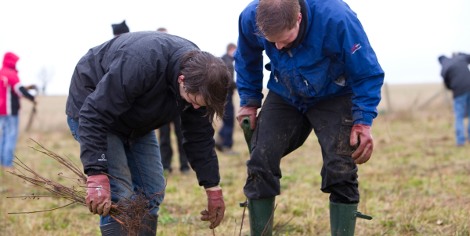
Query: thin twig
[(129, 211), (27, 212)]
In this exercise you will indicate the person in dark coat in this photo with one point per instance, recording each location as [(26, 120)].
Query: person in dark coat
[(165, 140), (120, 28), (224, 140), (456, 77), (124, 89)]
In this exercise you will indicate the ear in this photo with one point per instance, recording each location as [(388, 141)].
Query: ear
[(299, 18), (180, 78)]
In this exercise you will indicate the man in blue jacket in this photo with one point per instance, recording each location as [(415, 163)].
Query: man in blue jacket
[(124, 89), (324, 75)]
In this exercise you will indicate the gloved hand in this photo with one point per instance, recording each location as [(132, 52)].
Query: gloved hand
[(215, 207), (362, 138), (250, 112), (98, 198)]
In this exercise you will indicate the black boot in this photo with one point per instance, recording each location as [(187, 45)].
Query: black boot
[(149, 226), (113, 229)]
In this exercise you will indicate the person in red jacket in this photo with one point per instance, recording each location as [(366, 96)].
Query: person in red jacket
[(10, 92)]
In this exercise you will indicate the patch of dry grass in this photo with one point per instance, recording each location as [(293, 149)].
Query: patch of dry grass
[(417, 183)]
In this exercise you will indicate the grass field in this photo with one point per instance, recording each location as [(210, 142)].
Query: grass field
[(416, 183)]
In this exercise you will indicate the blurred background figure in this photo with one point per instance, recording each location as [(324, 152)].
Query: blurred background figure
[(456, 77), (120, 28), (10, 92), (224, 139), (165, 141), (162, 29)]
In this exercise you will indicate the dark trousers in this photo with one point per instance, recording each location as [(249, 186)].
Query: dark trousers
[(281, 128), (228, 121), (165, 145)]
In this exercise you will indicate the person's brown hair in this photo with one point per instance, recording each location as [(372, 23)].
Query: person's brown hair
[(208, 76), (275, 16)]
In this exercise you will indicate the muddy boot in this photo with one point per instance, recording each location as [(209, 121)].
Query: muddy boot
[(261, 213), (149, 226), (113, 229), (343, 218)]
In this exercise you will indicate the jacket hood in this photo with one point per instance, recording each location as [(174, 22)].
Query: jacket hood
[(9, 60)]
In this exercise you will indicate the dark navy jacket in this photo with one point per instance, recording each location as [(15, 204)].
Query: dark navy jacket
[(456, 74), (331, 57), (128, 86)]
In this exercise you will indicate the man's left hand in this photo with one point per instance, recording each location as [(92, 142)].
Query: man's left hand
[(215, 207), (360, 134)]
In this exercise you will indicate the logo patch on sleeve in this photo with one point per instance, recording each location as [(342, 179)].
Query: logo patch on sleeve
[(356, 47)]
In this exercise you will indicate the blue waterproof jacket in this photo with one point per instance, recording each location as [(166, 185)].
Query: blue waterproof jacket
[(332, 58)]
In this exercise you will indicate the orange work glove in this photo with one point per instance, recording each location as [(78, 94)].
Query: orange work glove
[(362, 138), (215, 207), (247, 112), (98, 198)]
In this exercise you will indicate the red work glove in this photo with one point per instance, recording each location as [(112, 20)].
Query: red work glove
[(247, 112), (98, 198), (361, 136), (215, 207)]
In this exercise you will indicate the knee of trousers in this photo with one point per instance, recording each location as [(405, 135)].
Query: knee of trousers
[(261, 183)]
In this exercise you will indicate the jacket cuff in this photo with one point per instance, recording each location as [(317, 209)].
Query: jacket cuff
[(250, 103)]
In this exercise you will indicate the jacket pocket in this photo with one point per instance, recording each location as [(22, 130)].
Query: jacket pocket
[(343, 147)]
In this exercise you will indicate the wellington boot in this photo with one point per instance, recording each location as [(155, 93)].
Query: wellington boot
[(113, 229), (261, 216), (149, 226), (343, 218)]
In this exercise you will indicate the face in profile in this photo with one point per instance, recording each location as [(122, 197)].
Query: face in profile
[(196, 100)]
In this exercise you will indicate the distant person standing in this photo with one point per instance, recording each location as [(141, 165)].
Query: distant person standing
[(165, 140), (224, 140), (162, 29), (120, 28), (10, 92), (456, 77)]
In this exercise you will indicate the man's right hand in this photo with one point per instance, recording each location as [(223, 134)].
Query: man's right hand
[(247, 112), (98, 198)]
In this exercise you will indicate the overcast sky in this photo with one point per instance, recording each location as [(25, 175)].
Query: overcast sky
[(52, 35)]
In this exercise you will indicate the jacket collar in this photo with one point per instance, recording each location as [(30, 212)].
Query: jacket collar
[(302, 27)]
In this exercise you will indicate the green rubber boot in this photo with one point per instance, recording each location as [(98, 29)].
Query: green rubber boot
[(261, 216), (343, 218)]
